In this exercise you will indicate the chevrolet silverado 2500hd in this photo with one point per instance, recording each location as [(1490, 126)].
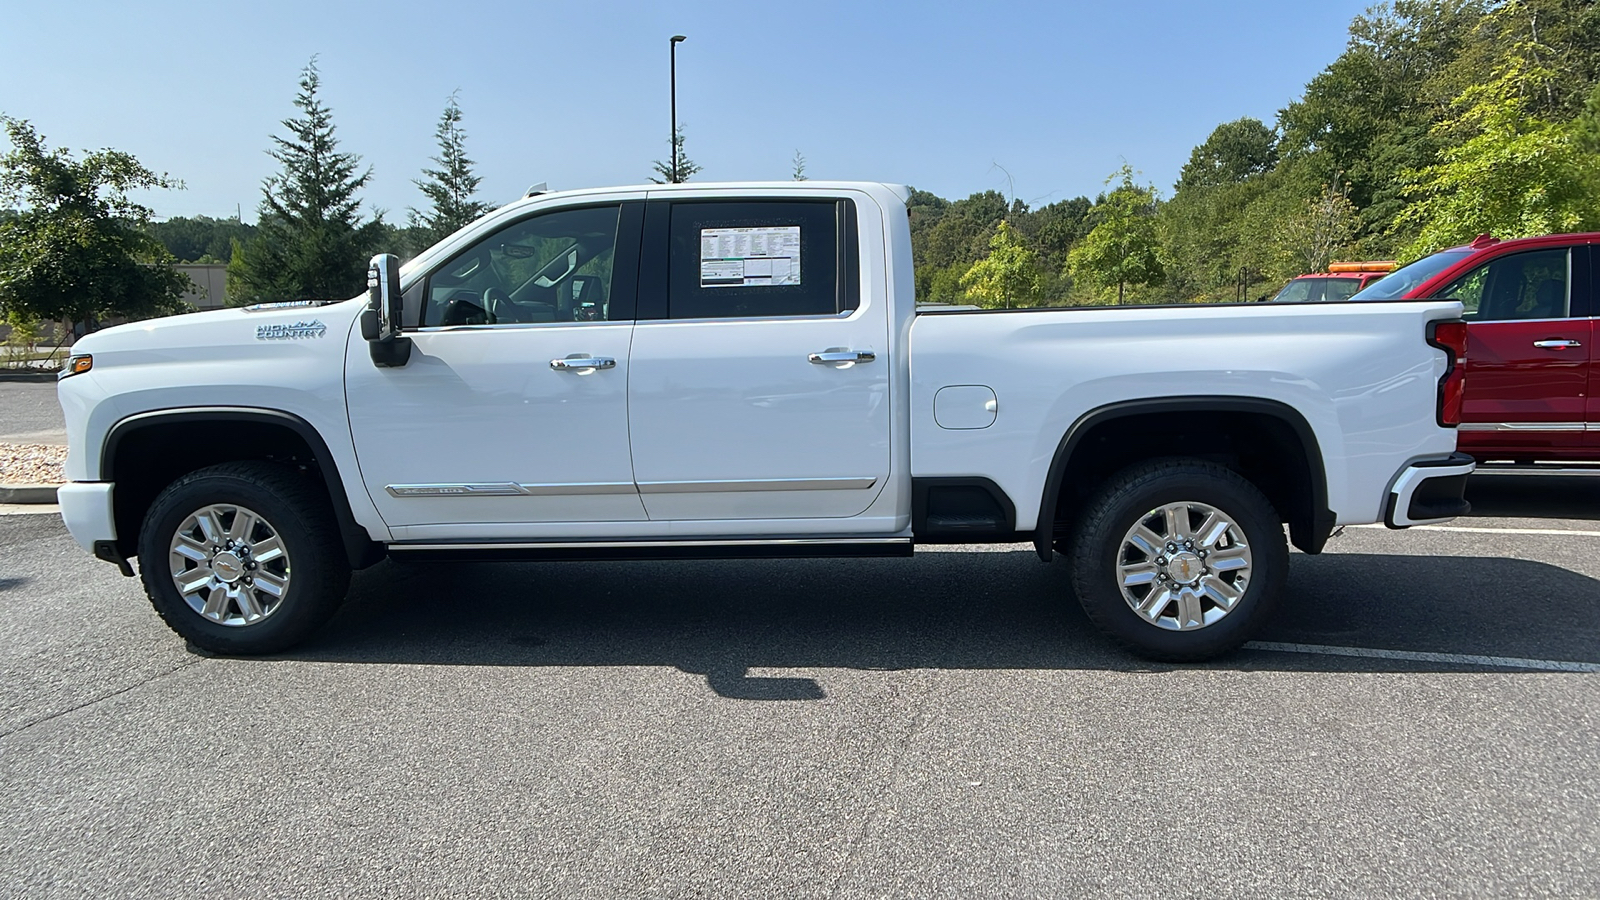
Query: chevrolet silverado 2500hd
[(741, 370)]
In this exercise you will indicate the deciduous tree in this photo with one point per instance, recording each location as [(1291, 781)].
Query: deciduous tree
[(1515, 176), (77, 247), (1008, 276), (1123, 247)]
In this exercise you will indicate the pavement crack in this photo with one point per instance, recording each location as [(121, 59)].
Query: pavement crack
[(101, 698)]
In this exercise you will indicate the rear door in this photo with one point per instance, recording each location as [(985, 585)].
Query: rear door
[(760, 375), (1527, 353)]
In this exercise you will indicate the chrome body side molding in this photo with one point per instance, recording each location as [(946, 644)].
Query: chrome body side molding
[(768, 484), (505, 489), (513, 489)]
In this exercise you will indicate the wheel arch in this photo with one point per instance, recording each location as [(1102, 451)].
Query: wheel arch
[(145, 452), (1298, 489)]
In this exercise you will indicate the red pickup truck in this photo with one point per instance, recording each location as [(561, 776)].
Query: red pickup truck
[(1531, 368)]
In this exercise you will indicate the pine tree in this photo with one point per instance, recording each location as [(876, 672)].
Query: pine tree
[(452, 185), (312, 243), (684, 169), (799, 166)]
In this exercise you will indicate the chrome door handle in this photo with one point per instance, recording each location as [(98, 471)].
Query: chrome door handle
[(583, 362), (842, 356), (1557, 345)]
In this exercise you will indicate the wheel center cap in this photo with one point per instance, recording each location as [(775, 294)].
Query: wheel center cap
[(1185, 567), (227, 565)]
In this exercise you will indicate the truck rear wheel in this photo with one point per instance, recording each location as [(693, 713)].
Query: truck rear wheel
[(1179, 560), (243, 558)]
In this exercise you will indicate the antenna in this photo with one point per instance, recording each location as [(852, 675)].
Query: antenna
[(537, 189)]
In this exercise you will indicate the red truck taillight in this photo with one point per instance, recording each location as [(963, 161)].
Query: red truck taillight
[(1451, 337)]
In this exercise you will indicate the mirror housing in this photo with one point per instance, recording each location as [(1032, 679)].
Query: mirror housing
[(380, 321)]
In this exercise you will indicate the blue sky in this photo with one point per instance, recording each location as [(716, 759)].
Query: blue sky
[(947, 97)]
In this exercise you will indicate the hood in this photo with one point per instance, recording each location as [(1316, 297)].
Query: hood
[(237, 327)]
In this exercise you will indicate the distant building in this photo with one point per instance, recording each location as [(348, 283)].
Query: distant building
[(210, 289)]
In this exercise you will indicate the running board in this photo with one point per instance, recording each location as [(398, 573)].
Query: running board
[(740, 548), (1535, 469)]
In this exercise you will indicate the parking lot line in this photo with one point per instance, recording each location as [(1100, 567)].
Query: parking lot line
[(1463, 659), (1472, 530)]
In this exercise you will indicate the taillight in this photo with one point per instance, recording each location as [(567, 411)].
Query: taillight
[(1451, 337)]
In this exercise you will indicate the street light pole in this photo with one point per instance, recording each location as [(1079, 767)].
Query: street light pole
[(673, 143)]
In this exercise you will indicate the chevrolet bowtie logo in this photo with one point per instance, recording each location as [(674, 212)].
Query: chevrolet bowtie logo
[(282, 332)]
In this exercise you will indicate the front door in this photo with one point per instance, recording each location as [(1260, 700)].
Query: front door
[(760, 381), (513, 406), (1527, 356)]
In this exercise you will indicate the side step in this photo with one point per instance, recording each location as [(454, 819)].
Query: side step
[(715, 548)]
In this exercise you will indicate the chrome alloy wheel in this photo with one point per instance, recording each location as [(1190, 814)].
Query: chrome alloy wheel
[(229, 564), (1183, 566)]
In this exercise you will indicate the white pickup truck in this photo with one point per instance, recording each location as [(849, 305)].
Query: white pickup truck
[(741, 370)]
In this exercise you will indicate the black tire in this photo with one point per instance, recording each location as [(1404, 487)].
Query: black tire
[(294, 506), (1128, 498)]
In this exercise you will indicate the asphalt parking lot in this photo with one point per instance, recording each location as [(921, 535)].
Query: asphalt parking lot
[(947, 725), (29, 413)]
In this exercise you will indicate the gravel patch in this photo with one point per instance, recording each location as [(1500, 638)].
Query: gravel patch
[(32, 464)]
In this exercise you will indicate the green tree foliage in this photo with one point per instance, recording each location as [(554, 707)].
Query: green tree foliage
[(1369, 114), (452, 186), (1515, 174), (312, 242), (77, 248), (1008, 276), (799, 166), (683, 171), (1322, 228), (201, 238), (1210, 236), (1234, 152), (1122, 249)]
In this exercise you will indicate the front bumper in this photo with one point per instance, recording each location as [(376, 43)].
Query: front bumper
[(91, 519), (1429, 491)]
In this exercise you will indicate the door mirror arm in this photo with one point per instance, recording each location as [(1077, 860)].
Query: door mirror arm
[(380, 321)]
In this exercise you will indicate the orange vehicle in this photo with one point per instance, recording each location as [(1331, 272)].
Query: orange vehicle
[(1340, 282)]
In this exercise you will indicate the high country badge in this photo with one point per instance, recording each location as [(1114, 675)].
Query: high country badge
[(282, 332)]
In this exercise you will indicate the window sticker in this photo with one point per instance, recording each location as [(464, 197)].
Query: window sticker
[(750, 257)]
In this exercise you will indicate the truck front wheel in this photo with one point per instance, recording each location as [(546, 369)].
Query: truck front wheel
[(1179, 560), (243, 558)]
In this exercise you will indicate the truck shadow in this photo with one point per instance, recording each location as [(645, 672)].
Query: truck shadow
[(1535, 496), (993, 610)]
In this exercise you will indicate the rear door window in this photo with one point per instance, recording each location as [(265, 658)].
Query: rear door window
[(1518, 286), (761, 258)]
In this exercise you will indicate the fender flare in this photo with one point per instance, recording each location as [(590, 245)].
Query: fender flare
[(1308, 536), (359, 546)]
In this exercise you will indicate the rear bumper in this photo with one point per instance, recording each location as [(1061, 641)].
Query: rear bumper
[(1429, 491)]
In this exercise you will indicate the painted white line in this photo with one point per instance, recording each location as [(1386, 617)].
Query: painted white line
[(1470, 530), (1461, 659)]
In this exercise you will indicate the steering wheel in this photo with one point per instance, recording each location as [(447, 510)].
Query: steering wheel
[(499, 305)]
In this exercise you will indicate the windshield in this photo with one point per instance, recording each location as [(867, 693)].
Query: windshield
[(1395, 285), (1317, 290)]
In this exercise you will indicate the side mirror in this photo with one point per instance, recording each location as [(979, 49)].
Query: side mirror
[(380, 321)]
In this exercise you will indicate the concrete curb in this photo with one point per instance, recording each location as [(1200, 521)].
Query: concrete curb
[(28, 493)]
